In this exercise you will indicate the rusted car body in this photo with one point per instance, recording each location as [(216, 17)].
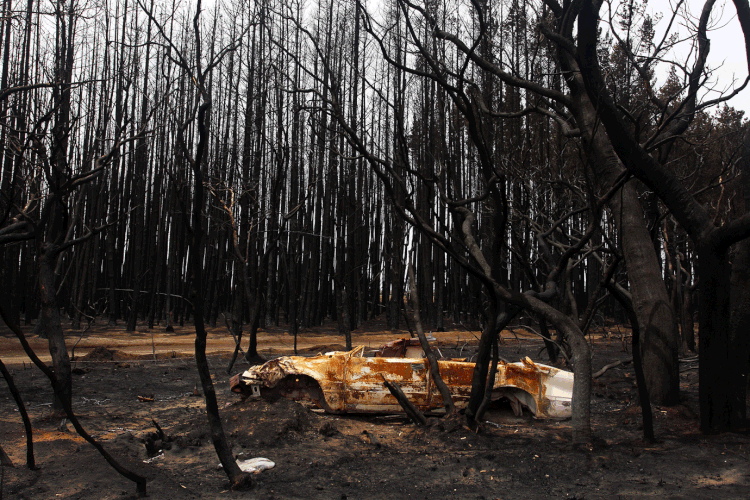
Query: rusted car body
[(348, 382)]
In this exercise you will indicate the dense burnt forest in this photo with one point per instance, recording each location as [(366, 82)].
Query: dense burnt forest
[(97, 109), (287, 162)]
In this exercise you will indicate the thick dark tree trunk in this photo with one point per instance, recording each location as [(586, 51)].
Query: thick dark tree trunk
[(490, 382), (738, 362), (51, 326), (481, 367), (657, 323), (716, 385), (739, 333)]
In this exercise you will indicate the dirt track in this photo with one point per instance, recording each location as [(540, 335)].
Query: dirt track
[(145, 343)]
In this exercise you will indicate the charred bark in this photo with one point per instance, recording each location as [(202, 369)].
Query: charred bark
[(739, 336), (717, 380), (30, 463), (643, 394), (445, 392), (238, 478), (51, 326)]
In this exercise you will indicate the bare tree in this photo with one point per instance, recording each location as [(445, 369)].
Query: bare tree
[(201, 112), (723, 356)]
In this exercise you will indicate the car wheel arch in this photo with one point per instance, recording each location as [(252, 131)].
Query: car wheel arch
[(518, 398), (301, 386)]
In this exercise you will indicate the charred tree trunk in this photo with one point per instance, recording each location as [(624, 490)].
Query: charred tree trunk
[(739, 331), (139, 480), (445, 392), (715, 385), (52, 327), (657, 322), (643, 394), (739, 334), (30, 463), (238, 478)]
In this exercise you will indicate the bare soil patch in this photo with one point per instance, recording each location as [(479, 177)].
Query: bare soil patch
[(322, 456)]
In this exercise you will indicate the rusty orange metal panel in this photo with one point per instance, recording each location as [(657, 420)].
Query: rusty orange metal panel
[(365, 390)]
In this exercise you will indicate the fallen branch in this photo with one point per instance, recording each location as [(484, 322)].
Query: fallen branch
[(411, 410), (605, 368)]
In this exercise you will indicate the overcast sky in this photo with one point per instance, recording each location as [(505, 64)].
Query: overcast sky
[(727, 45)]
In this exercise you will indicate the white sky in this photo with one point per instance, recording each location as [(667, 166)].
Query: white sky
[(727, 45)]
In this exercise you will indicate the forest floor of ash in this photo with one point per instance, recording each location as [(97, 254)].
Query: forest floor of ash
[(321, 456)]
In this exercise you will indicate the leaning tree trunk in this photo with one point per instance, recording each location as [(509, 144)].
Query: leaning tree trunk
[(659, 338), (643, 395), (445, 392), (656, 319), (30, 463)]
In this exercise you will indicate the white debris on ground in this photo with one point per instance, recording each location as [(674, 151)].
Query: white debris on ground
[(254, 465)]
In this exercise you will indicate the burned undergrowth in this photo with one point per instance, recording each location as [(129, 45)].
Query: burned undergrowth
[(324, 456)]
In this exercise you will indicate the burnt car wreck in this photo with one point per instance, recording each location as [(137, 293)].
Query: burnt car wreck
[(349, 382)]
